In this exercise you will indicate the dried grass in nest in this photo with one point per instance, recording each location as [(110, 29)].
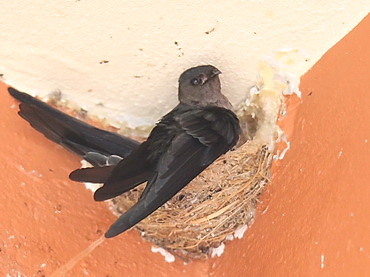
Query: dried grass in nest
[(214, 205)]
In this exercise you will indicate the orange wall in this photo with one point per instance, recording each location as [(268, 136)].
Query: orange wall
[(317, 221)]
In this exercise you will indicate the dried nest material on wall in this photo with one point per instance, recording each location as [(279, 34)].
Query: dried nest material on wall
[(213, 206)]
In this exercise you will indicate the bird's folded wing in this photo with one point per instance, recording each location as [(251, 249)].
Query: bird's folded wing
[(211, 124)]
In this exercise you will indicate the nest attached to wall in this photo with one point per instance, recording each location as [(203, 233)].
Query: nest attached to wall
[(212, 207)]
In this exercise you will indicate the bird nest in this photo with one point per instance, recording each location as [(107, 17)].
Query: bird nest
[(211, 208)]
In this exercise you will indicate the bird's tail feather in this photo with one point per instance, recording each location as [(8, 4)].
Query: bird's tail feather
[(73, 134)]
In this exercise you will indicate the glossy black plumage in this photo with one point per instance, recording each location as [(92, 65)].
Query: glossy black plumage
[(73, 134)]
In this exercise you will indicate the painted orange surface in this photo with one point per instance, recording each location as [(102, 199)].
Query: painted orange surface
[(314, 220), (317, 221)]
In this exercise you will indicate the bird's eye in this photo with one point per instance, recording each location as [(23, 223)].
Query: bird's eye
[(196, 81)]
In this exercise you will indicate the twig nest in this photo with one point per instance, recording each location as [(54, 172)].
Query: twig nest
[(212, 207)]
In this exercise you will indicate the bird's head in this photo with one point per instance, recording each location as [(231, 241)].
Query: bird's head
[(200, 86)]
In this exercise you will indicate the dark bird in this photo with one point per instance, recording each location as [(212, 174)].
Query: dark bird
[(182, 144)]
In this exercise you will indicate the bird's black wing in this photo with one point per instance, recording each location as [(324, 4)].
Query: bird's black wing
[(73, 134), (206, 134)]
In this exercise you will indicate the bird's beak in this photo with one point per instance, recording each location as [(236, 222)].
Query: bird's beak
[(215, 72)]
